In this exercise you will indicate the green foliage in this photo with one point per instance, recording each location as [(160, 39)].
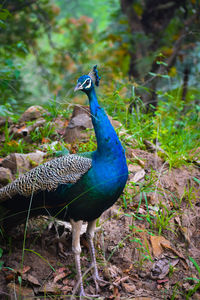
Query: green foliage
[(41, 133), (163, 217), (142, 245), (89, 146), (174, 125), (10, 145), (193, 290)]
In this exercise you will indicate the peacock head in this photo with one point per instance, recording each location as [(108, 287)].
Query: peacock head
[(86, 83)]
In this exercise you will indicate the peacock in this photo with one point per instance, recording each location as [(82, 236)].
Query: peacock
[(73, 187)]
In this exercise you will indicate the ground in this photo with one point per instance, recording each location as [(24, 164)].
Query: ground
[(147, 244)]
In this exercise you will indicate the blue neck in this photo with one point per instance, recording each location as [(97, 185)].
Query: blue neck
[(108, 143)]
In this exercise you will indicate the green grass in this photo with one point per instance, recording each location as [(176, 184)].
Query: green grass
[(43, 132), (174, 125), (193, 290), (11, 145)]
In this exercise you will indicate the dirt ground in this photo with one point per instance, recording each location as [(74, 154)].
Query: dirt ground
[(136, 263), (147, 244)]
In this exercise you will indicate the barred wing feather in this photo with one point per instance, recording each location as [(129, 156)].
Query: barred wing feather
[(62, 170)]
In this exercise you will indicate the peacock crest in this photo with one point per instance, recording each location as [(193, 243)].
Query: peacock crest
[(94, 75)]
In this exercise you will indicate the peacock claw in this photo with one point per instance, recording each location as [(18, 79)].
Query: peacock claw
[(83, 295), (99, 282)]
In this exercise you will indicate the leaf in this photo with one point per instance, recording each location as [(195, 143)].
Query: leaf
[(162, 63), (192, 278), (4, 13), (33, 280), (156, 243), (164, 76), (129, 288), (153, 74), (59, 277), (20, 280), (195, 264), (25, 269), (197, 180)]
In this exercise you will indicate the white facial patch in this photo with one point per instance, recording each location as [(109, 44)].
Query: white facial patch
[(89, 84)]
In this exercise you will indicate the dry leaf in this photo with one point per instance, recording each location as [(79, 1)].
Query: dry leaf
[(180, 255), (25, 269), (119, 280), (59, 277), (160, 268), (60, 270), (129, 269), (156, 243), (138, 160), (66, 288), (10, 277), (45, 140), (50, 287), (20, 292), (129, 288), (116, 293), (162, 280), (32, 279), (65, 281)]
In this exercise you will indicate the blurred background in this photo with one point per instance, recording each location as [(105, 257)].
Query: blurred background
[(143, 49)]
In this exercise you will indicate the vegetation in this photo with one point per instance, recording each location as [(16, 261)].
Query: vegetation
[(149, 55)]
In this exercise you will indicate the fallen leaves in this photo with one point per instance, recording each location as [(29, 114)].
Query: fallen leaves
[(15, 276), (157, 243), (160, 268), (60, 274)]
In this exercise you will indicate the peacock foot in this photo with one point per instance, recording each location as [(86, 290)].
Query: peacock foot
[(99, 282), (83, 295)]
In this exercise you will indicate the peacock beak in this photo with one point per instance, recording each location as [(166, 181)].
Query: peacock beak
[(78, 87)]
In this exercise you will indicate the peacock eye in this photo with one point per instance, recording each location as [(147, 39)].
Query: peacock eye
[(88, 81)]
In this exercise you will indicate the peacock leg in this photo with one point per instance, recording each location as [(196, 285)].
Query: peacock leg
[(90, 236), (76, 248)]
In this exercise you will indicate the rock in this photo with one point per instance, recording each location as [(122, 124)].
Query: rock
[(5, 176), (60, 125), (139, 175), (21, 163), (32, 113), (24, 131), (134, 168), (81, 118), (79, 121), (114, 122)]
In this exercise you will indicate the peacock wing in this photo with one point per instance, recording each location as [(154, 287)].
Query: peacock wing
[(62, 170)]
